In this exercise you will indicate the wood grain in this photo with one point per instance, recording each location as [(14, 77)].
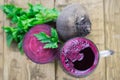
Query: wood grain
[(42, 71), (60, 74), (17, 66), (1, 42), (95, 10), (14, 62), (112, 30), (105, 17)]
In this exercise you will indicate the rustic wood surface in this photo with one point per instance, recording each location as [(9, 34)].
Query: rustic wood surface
[(105, 17)]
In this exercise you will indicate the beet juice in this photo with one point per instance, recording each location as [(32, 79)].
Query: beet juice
[(79, 57)]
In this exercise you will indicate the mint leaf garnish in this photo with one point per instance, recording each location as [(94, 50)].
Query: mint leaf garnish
[(50, 41)]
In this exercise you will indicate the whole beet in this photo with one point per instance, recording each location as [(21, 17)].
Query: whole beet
[(73, 21)]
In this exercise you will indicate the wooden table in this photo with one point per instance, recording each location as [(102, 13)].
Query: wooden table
[(105, 17)]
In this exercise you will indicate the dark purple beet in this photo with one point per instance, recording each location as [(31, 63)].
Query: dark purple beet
[(33, 48), (79, 57)]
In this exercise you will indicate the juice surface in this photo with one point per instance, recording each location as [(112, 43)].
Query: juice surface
[(79, 57)]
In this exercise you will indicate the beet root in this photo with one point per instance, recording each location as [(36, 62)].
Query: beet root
[(79, 57), (73, 21), (33, 48)]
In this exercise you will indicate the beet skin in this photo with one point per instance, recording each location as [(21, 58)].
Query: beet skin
[(33, 48), (73, 21)]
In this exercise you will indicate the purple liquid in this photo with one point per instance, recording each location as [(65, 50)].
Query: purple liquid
[(79, 57), (87, 61)]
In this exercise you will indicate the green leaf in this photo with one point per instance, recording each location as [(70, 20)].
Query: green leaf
[(14, 19), (54, 34), (20, 46), (50, 41), (9, 39), (37, 7), (45, 40), (51, 45), (9, 36), (11, 10), (41, 36), (8, 29), (15, 35)]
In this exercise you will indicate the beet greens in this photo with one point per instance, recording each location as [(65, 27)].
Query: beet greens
[(24, 20)]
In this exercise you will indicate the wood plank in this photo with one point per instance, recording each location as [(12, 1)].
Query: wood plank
[(95, 11), (1, 42), (112, 36), (42, 71), (17, 66), (14, 62)]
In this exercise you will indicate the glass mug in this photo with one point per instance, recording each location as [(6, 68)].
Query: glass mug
[(80, 56)]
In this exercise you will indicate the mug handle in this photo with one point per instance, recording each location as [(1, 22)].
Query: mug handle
[(106, 53)]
